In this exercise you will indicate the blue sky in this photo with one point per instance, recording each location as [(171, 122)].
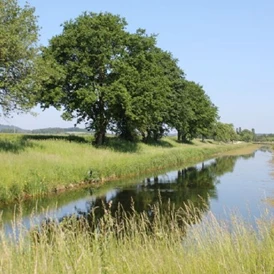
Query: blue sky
[(226, 46)]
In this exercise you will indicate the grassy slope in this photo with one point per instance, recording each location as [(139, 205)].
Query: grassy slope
[(30, 165)]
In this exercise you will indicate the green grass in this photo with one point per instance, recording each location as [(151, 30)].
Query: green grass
[(173, 243), (33, 165)]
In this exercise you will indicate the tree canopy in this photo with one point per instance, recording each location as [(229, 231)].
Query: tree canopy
[(247, 135), (193, 113), (115, 80), (105, 76), (224, 132), (18, 49)]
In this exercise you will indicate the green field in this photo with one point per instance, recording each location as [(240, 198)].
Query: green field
[(32, 165)]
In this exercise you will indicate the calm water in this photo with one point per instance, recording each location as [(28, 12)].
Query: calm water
[(238, 184)]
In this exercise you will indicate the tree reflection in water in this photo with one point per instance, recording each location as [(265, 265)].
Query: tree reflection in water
[(188, 193)]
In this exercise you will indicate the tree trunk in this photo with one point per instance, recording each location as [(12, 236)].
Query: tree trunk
[(156, 135), (127, 132), (100, 137), (179, 135), (184, 138), (101, 123)]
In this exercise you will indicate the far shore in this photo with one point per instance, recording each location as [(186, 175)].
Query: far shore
[(38, 165)]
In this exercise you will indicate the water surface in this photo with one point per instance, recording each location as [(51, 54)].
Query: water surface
[(228, 184)]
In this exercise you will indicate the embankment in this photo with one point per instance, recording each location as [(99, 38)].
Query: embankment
[(37, 165)]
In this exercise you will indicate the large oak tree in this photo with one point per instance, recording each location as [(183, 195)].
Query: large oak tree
[(80, 70), (105, 76)]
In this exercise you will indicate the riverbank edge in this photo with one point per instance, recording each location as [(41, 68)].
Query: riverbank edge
[(176, 157)]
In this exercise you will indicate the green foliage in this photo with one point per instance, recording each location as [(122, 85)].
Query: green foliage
[(107, 77), (78, 70), (4, 194), (247, 135), (224, 132), (118, 81), (147, 76), (18, 50), (193, 113), (100, 74), (265, 137)]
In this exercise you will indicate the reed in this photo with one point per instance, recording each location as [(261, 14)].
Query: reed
[(174, 242)]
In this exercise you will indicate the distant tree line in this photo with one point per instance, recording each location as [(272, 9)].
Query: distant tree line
[(55, 130), (264, 138), (246, 135), (103, 75), (223, 132)]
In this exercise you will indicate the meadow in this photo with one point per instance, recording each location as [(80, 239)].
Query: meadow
[(32, 165)]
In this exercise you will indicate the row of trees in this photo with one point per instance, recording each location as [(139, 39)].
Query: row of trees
[(265, 138), (120, 81), (100, 74), (226, 133)]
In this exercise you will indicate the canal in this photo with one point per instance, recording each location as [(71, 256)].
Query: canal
[(229, 184)]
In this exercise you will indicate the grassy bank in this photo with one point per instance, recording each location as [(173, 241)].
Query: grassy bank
[(34, 165), (134, 244)]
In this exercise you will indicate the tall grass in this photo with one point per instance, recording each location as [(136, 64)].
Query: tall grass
[(172, 243), (34, 165)]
